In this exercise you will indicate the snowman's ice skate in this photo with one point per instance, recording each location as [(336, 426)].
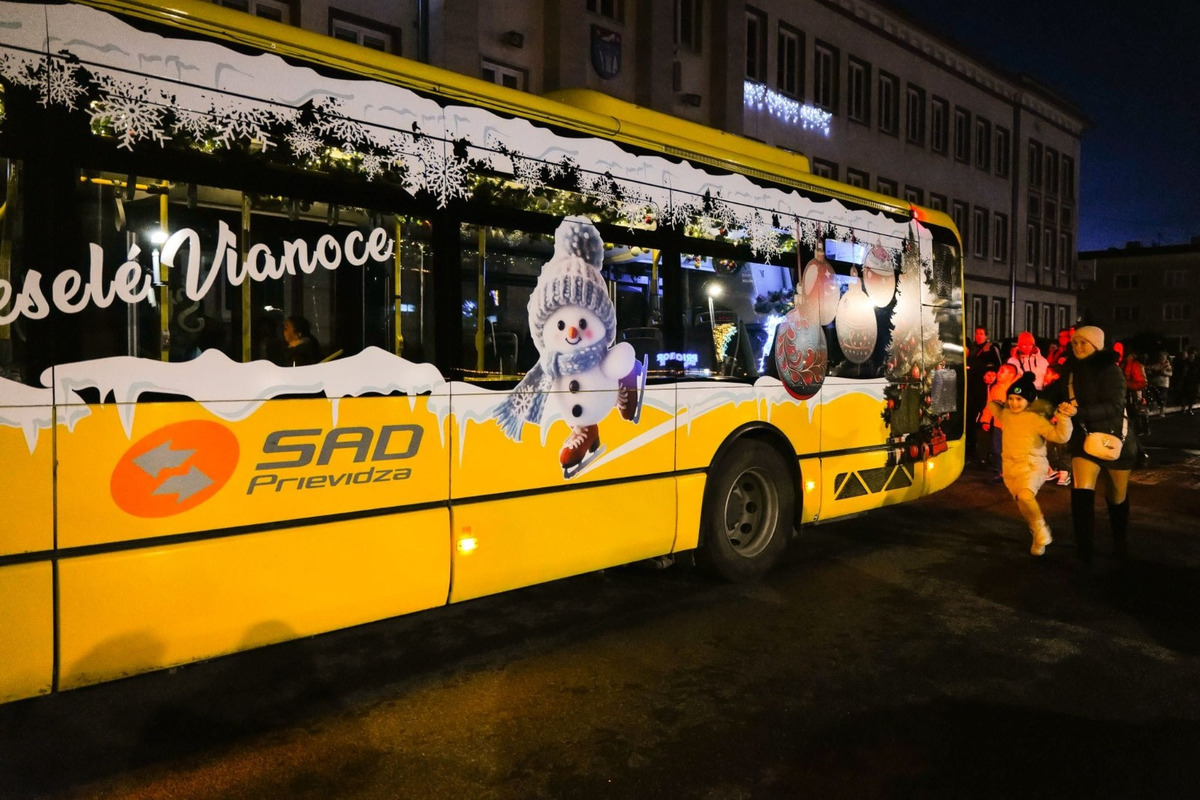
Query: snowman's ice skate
[(631, 391), (580, 449)]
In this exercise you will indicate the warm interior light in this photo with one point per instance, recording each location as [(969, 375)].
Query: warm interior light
[(467, 544)]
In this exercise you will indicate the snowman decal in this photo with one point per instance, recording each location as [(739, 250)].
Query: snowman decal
[(574, 326)]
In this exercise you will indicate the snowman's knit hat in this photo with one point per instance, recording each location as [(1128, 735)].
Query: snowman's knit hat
[(572, 278)]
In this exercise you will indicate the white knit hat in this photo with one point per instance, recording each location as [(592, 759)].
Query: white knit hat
[(1092, 335), (572, 278)]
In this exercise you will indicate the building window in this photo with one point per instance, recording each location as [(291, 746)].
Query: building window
[(886, 186), (1068, 178), (978, 311), (858, 90), (958, 213), (494, 72), (980, 232), (613, 9), (756, 45), (1125, 280), (856, 177), (939, 120), (1065, 252), (1051, 171), (983, 144), (1066, 217), (914, 120), (1003, 152), (937, 202), (1000, 236), (1126, 314), (999, 318), (1064, 318), (824, 169), (914, 195), (789, 62), (276, 10), (962, 135), (889, 103), (1050, 247), (1030, 317), (362, 31), (1175, 279), (1051, 210), (1177, 311), (1035, 164), (1032, 242), (689, 20), (825, 76)]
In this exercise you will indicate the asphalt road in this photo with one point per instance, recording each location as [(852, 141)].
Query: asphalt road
[(916, 652)]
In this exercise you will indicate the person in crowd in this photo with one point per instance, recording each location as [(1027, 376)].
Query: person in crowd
[(1094, 384), (1135, 392), (1026, 357), (1158, 376), (1025, 434), (997, 393), (302, 347), (1191, 382), (983, 359), (1061, 350), (1057, 453)]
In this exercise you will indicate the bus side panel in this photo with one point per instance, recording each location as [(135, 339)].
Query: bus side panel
[(689, 492), (187, 467), (26, 493), (710, 411), (489, 462), (128, 612), (862, 481), (520, 541), (26, 630)]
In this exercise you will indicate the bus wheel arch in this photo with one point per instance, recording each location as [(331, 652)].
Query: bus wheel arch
[(749, 511)]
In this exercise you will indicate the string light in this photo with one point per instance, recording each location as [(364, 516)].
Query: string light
[(793, 112)]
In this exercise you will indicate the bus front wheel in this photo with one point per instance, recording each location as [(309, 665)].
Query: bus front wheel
[(748, 512)]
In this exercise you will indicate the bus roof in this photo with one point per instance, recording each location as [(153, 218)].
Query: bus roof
[(583, 110)]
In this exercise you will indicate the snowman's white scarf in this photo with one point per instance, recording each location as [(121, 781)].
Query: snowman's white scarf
[(528, 400)]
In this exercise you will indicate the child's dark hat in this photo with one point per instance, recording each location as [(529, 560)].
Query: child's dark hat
[(1024, 387)]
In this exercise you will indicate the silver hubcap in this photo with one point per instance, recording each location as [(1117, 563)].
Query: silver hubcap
[(751, 508)]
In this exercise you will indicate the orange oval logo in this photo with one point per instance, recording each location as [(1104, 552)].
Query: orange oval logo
[(174, 469)]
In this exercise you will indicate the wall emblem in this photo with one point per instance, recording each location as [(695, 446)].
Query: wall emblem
[(174, 469)]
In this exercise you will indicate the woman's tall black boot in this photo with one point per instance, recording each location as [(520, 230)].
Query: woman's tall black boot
[(1118, 519), (1083, 518)]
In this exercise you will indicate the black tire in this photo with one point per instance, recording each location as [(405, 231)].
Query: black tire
[(748, 516)]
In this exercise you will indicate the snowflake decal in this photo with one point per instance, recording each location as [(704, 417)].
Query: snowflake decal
[(528, 171), (305, 141), (373, 165), (129, 113), (61, 86), (338, 127), (764, 241), (244, 122), (19, 71), (196, 124), (440, 174)]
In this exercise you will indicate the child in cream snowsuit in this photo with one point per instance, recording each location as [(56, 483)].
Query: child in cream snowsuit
[(1024, 451)]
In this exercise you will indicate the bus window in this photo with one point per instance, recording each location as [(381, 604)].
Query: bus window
[(499, 270), (732, 310), (229, 268), (13, 363)]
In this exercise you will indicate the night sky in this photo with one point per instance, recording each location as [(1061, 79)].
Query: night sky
[(1133, 69)]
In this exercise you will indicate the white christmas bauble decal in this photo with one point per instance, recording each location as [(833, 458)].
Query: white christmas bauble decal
[(856, 329), (879, 275), (820, 282)]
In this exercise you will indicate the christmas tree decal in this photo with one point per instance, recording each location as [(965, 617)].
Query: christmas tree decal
[(915, 362)]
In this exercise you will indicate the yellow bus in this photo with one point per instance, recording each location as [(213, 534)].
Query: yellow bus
[(295, 336)]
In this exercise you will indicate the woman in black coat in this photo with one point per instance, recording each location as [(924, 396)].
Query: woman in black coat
[(1094, 383)]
